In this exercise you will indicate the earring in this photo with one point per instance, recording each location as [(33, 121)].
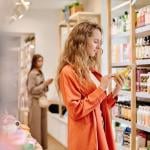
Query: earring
[(101, 51)]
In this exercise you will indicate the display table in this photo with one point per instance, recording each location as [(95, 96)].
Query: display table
[(17, 134)]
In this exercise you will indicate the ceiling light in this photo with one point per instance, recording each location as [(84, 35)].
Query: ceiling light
[(23, 3), (21, 7)]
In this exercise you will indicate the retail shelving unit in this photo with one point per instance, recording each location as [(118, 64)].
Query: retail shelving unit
[(141, 32), (132, 34)]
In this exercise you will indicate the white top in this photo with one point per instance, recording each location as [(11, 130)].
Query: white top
[(94, 79), (97, 83)]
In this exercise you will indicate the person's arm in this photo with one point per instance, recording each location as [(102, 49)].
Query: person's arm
[(111, 100), (32, 87), (113, 96), (46, 89), (77, 105)]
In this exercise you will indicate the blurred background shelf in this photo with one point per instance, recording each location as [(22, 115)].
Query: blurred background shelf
[(122, 147), (139, 4), (121, 35), (143, 62), (123, 121), (143, 95), (145, 30), (120, 65), (146, 129)]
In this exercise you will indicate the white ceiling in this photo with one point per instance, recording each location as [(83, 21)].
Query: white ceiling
[(50, 4), (58, 4)]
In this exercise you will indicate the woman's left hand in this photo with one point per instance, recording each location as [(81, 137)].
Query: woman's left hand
[(119, 80)]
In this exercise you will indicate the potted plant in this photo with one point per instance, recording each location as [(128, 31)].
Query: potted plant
[(76, 7)]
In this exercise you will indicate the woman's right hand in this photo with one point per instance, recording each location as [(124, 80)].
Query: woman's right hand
[(49, 81), (105, 82)]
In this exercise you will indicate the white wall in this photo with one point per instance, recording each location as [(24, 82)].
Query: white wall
[(92, 5), (44, 23)]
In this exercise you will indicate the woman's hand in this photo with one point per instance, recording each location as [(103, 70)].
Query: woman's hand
[(49, 81), (105, 82), (119, 80)]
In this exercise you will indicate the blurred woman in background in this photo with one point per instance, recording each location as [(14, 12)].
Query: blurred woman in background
[(37, 88)]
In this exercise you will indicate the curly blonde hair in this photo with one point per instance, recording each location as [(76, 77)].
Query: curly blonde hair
[(75, 50)]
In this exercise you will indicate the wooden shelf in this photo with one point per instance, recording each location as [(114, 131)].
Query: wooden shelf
[(142, 95), (65, 23), (143, 62), (74, 17), (121, 6), (121, 147), (123, 121), (120, 65), (147, 129), (138, 4), (145, 100), (145, 30), (124, 92), (121, 35)]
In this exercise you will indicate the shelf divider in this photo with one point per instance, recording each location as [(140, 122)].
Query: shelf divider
[(133, 77)]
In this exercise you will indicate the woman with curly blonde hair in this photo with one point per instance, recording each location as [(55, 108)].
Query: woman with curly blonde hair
[(84, 90)]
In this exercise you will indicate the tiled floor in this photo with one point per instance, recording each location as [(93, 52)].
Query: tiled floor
[(54, 145)]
